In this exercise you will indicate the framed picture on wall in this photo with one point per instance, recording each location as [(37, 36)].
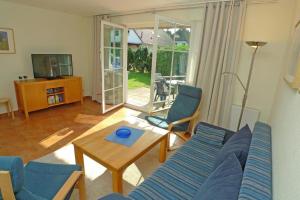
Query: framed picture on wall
[(7, 41)]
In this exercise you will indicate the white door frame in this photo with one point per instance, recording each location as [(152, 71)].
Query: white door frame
[(154, 51), (124, 63)]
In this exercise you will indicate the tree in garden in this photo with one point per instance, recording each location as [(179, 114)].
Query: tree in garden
[(142, 59), (130, 59)]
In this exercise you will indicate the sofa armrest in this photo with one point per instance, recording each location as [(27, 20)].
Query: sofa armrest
[(228, 133), (114, 196)]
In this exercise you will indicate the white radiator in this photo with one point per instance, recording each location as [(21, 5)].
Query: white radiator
[(250, 117)]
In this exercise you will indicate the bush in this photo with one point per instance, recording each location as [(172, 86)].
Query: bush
[(130, 59), (141, 60)]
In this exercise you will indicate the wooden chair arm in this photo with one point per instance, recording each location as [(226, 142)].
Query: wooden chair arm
[(6, 188), (157, 111), (65, 189), (181, 121)]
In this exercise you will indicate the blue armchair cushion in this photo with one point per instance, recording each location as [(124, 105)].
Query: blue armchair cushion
[(238, 144), (114, 196), (223, 183), (190, 91), (163, 123), (185, 104), (24, 194), (210, 135), (15, 166), (44, 180)]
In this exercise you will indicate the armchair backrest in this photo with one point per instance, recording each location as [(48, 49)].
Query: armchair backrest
[(186, 103), (11, 174)]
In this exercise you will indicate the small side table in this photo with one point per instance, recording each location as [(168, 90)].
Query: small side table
[(9, 109)]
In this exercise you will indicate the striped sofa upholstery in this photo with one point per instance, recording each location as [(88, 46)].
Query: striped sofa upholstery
[(257, 177), (181, 175), (184, 172)]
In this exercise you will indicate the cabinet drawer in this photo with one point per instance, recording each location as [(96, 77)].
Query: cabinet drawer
[(55, 84)]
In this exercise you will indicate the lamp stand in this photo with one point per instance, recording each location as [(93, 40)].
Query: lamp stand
[(255, 45), (247, 88)]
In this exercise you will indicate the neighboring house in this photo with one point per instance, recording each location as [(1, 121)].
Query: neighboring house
[(134, 41), (147, 37)]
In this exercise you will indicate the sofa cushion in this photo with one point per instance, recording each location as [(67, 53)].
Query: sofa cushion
[(239, 144), (181, 175), (15, 166), (228, 133), (211, 135), (223, 183)]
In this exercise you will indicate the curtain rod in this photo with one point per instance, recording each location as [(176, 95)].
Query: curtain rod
[(181, 6)]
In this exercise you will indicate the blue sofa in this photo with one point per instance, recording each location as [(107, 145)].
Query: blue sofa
[(181, 176)]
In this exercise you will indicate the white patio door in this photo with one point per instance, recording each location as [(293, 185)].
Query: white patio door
[(170, 60), (113, 62)]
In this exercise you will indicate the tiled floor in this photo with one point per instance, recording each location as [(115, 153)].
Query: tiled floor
[(47, 130)]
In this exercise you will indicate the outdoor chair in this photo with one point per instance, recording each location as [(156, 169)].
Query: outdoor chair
[(38, 181), (182, 114), (162, 90)]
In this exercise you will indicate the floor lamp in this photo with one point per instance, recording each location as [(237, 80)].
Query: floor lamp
[(255, 45)]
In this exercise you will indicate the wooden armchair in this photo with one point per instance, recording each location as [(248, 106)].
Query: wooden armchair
[(183, 113), (38, 181)]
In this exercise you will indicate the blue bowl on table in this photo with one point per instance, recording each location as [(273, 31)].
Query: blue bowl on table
[(123, 132)]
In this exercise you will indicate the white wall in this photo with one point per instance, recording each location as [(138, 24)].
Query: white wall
[(286, 137), (269, 22), (43, 31)]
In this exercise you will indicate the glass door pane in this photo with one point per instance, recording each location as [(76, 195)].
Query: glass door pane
[(170, 60), (112, 65)]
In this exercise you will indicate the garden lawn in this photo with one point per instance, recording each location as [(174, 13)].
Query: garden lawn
[(138, 80)]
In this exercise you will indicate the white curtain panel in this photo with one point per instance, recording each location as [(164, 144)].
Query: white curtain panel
[(97, 84), (220, 47)]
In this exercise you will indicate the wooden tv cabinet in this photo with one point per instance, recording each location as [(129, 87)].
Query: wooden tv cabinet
[(37, 94)]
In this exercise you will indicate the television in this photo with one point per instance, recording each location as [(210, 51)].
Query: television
[(52, 66)]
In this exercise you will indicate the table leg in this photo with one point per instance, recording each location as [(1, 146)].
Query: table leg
[(7, 108), (117, 181), (81, 181), (11, 110), (163, 149)]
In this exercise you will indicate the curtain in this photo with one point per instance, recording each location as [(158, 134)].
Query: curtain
[(219, 53), (97, 83)]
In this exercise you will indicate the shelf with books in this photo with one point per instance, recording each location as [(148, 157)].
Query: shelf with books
[(56, 98)]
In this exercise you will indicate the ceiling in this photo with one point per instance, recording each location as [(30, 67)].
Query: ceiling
[(97, 7)]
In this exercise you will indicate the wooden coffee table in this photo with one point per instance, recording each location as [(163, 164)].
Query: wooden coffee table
[(118, 157)]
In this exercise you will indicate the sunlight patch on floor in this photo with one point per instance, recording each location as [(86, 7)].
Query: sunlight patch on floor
[(173, 139), (56, 137), (133, 175), (88, 119), (92, 169)]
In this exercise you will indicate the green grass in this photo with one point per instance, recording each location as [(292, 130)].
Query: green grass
[(138, 79)]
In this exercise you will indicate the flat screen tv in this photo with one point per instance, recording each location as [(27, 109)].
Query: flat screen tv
[(52, 66)]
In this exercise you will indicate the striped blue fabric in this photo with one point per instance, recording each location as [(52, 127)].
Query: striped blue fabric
[(210, 135), (257, 178), (182, 174)]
